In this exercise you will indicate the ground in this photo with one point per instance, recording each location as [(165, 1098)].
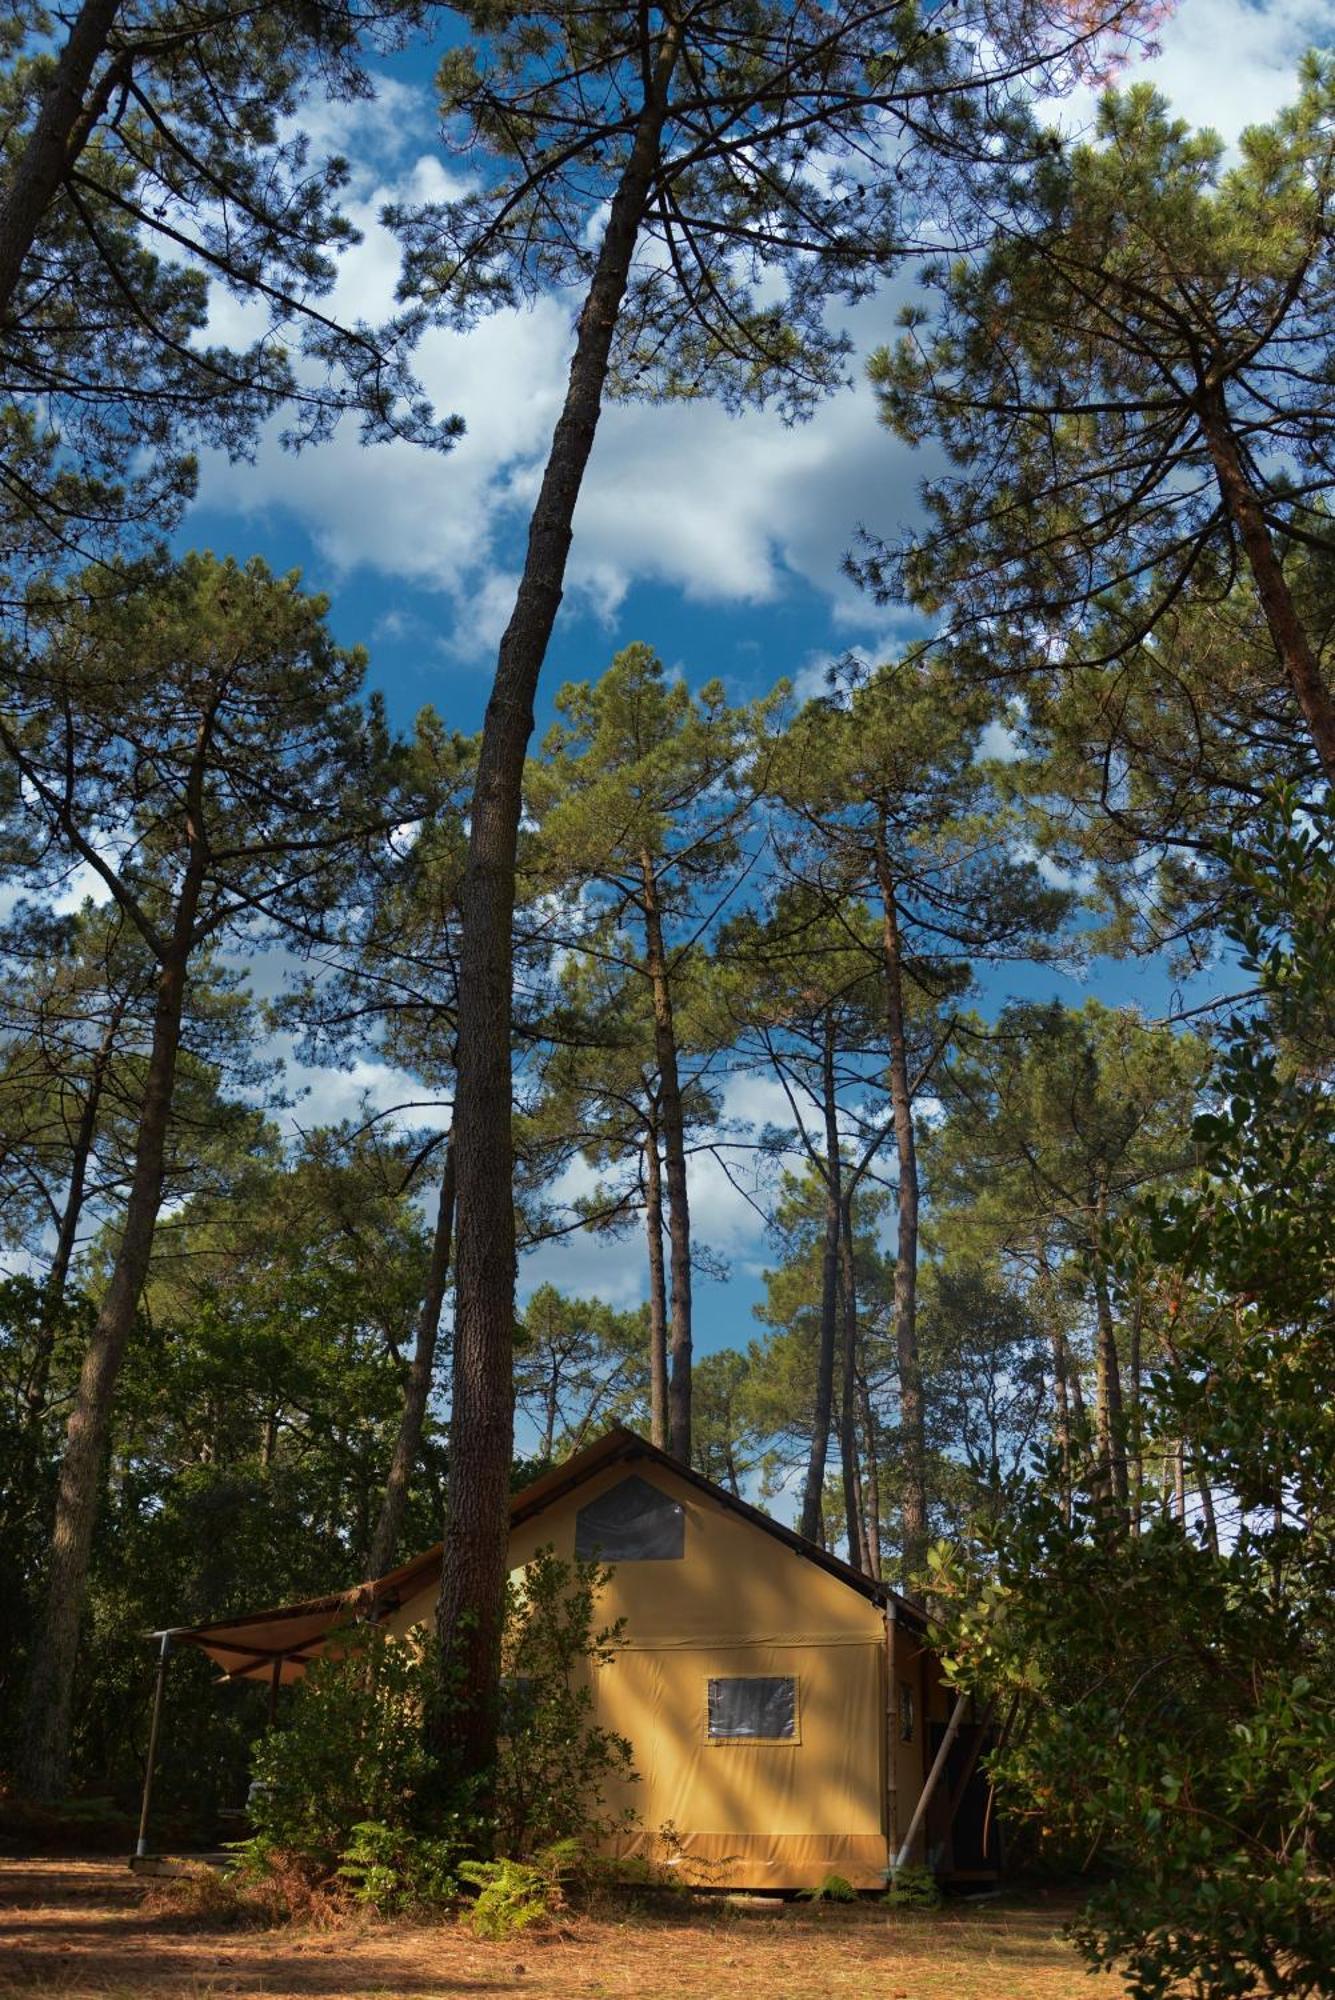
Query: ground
[(79, 1929)]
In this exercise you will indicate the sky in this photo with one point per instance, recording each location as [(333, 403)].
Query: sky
[(716, 539)]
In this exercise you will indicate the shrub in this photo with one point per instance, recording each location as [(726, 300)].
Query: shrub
[(346, 1799), (390, 1869), (353, 1753), (556, 1764)]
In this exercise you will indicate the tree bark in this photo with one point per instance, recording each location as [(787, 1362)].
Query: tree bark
[(1136, 1439), (417, 1389), (1272, 589), (913, 1425), (813, 1493), (473, 1571), (674, 1165), (1109, 1414), (61, 131), (858, 1549), (1207, 1507), (872, 1479), (44, 1748), (653, 1230), (53, 1291)]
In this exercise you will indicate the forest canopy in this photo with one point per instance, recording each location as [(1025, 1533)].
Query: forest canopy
[(893, 1076)]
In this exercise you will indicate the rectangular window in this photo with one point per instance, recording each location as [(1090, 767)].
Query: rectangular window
[(906, 1712), (754, 1708)]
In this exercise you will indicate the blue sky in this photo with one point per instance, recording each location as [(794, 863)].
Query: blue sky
[(717, 540)]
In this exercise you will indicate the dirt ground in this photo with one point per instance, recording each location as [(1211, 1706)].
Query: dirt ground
[(79, 1929)]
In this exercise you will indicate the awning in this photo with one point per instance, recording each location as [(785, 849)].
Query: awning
[(281, 1643)]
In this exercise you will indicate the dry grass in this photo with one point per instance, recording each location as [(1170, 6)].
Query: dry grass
[(83, 1930)]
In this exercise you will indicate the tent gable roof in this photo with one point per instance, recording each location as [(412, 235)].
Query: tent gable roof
[(248, 1646)]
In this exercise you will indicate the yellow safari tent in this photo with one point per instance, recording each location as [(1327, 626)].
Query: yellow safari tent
[(787, 1716)]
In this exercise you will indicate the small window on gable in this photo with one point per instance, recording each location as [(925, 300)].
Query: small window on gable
[(631, 1522), (753, 1708)]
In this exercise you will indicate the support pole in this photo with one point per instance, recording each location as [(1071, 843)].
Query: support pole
[(929, 1788), (891, 1737), (970, 1766), (275, 1682), (164, 1654)]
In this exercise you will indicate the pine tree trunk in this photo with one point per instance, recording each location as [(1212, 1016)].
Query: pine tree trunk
[(913, 1423), (872, 1480), (674, 1166), (59, 135), (53, 1291), (653, 1230), (1272, 589), (813, 1492), (1136, 1493), (1109, 1414), (1061, 1397), (417, 1389), (1207, 1508), (858, 1552), (43, 1760), (477, 1519)]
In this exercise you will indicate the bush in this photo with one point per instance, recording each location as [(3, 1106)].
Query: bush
[(354, 1752), (556, 1764), (346, 1800), (391, 1870)]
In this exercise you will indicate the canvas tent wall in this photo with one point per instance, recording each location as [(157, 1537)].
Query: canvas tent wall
[(779, 1703)]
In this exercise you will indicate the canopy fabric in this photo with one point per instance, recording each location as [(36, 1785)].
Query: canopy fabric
[(286, 1639), (282, 1642)]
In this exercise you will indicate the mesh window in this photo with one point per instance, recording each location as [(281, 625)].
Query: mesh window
[(761, 1705), (632, 1522)]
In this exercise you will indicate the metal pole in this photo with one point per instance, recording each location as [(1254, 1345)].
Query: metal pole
[(164, 1653), (275, 1682), (929, 1788)]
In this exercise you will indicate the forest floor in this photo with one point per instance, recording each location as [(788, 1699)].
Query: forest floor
[(87, 1930)]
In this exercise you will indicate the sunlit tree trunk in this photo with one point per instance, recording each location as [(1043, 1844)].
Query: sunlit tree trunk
[(1287, 629), (474, 1566)]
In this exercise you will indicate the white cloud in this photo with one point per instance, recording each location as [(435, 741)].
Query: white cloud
[(724, 510), (1225, 63)]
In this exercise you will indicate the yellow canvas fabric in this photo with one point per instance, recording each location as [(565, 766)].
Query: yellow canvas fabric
[(779, 1814)]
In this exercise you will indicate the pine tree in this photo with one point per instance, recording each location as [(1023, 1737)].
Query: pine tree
[(201, 747)]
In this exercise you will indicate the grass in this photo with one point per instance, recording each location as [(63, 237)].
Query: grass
[(79, 1931)]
